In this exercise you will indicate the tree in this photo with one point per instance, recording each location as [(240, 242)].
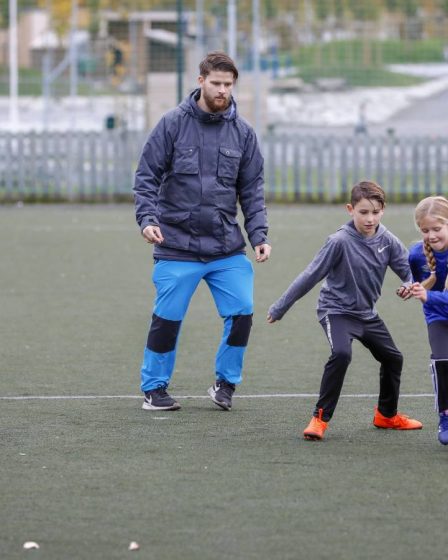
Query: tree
[(444, 7), (60, 13), (365, 11), (4, 10)]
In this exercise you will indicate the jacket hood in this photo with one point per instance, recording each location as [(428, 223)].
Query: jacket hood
[(190, 106), (349, 227)]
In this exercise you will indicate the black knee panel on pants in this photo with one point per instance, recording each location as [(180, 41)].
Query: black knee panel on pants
[(162, 335), (441, 383), (240, 331)]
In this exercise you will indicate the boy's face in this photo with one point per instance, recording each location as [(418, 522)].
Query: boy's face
[(366, 214)]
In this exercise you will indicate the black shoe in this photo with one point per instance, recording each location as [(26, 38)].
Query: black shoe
[(221, 393), (158, 399)]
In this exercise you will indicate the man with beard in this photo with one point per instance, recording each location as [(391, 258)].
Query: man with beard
[(198, 163)]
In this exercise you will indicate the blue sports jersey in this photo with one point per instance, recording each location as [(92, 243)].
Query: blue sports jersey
[(436, 307)]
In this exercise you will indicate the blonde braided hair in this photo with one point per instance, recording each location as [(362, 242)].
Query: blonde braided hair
[(429, 282), (436, 207)]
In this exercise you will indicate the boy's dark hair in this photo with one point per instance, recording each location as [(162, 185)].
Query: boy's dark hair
[(218, 61), (369, 190)]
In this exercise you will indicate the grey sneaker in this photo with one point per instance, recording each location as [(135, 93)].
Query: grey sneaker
[(221, 393), (159, 399)]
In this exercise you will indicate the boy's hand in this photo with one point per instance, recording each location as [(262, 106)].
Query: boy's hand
[(404, 292), (271, 319), (419, 292)]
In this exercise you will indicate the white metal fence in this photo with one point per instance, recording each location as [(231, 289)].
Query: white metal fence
[(69, 166), (100, 166), (324, 168)]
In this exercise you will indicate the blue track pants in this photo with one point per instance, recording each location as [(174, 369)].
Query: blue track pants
[(231, 283)]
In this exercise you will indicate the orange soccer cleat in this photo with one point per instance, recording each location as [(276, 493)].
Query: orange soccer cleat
[(397, 422), (316, 428)]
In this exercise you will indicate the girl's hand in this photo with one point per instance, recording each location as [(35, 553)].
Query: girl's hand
[(419, 292), (270, 319), (404, 292)]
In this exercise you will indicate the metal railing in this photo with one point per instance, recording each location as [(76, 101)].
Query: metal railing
[(324, 168), (99, 166), (69, 166)]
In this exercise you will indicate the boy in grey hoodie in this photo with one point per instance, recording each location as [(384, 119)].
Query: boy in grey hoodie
[(353, 262)]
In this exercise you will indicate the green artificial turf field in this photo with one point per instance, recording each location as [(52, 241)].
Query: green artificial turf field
[(84, 477)]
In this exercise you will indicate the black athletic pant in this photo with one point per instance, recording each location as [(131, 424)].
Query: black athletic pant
[(438, 340), (373, 334)]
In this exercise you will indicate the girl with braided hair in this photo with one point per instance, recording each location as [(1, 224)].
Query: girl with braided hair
[(429, 265)]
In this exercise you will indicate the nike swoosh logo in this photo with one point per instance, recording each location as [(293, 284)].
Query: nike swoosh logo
[(381, 249)]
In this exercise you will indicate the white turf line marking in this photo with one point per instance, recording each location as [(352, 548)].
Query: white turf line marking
[(273, 396)]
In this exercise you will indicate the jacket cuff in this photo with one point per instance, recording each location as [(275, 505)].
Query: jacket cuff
[(259, 239), (148, 221)]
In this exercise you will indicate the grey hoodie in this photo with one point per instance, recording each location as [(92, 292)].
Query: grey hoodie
[(354, 267)]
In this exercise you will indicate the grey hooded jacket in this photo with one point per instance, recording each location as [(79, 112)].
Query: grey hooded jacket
[(354, 267), (194, 168)]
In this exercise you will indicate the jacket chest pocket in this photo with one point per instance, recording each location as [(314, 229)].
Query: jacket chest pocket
[(228, 163), (186, 160)]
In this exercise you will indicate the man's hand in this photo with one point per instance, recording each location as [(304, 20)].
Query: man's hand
[(270, 319), (262, 252), (152, 234), (419, 292)]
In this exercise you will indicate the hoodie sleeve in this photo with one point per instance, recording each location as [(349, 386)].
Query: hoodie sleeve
[(399, 260), (154, 161), (251, 191), (318, 268)]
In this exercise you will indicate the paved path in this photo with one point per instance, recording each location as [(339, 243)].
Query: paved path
[(428, 116), (425, 117), (415, 110)]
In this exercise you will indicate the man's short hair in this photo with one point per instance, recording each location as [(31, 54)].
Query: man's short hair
[(217, 61)]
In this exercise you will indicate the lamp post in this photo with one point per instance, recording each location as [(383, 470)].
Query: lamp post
[(199, 30), (73, 51), (179, 53), (13, 66), (256, 64), (231, 28)]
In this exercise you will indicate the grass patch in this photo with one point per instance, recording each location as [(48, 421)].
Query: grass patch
[(85, 477), (358, 52), (359, 76), (30, 83), (363, 62)]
